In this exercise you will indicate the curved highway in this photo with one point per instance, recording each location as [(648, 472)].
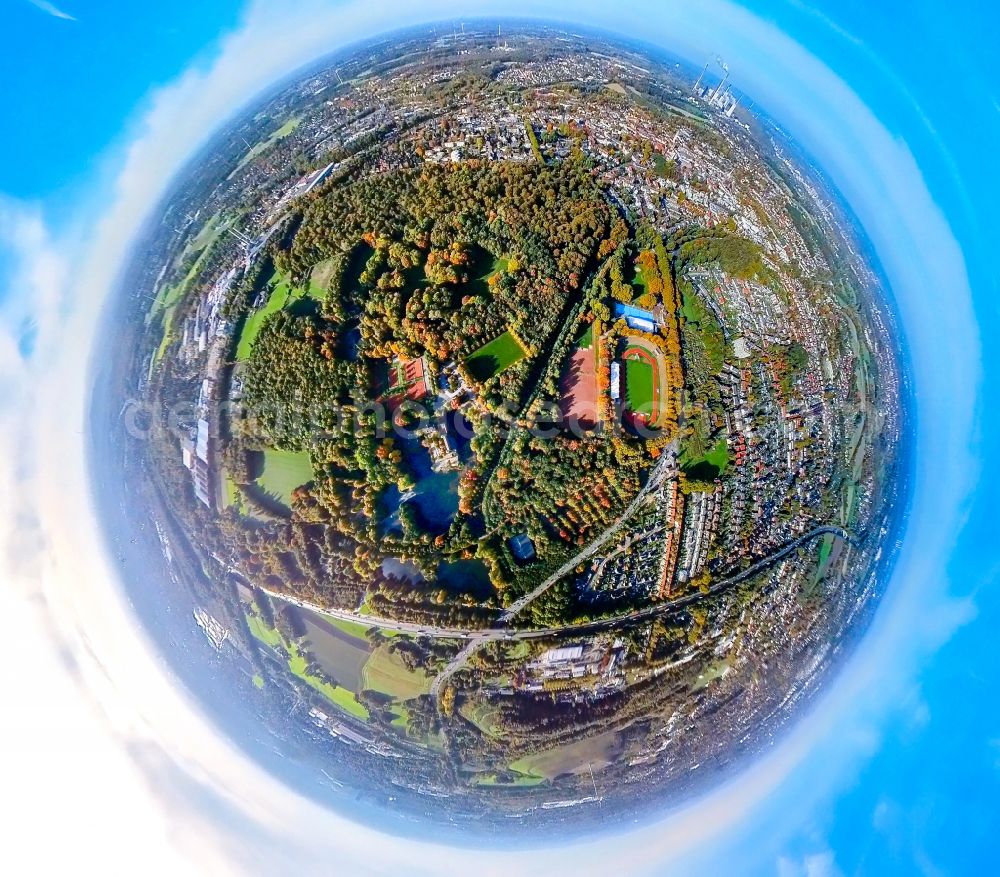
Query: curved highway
[(477, 637), (655, 479), (650, 611)]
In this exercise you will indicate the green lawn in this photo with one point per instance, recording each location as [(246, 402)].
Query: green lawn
[(166, 299), (640, 283), (709, 467), (698, 318), (255, 322), (711, 674), (494, 357), (282, 295), (482, 714), (719, 455), (850, 508), (283, 472), (230, 492), (320, 278), (286, 129), (387, 673), (570, 757), (587, 338), (166, 305), (351, 628), (485, 266), (825, 550), (233, 497), (689, 308), (169, 297), (343, 698), (298, 667), (639, 386), (402, 720), (267, 635), (519, 780), (257, 680), (206, 234), (826, 546)]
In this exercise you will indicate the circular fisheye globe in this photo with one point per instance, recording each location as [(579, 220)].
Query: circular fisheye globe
[(507, 424)]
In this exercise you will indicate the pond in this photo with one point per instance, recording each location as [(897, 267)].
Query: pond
[(402, 569), (349, 342), (461, 432), (434, 496), (388, 504), (465, 577)]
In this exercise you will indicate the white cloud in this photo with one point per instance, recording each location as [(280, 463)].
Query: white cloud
[(819, 864), (994, 752), (141, 769), (52, 10)]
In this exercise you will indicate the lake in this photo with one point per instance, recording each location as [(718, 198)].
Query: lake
[(435, 495)]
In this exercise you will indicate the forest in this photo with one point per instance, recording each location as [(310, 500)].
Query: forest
[(432, 270)]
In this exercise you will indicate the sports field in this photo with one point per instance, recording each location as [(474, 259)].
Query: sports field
[(283, 472), (578, 387), (494, 357), (639, 384)]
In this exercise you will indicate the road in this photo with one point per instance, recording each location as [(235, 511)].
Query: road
[(367, 621), (455, 663), (491, 633), (647, 612), (655, 480)]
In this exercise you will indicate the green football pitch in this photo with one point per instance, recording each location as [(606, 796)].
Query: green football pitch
[(639, 386), (493, 358)]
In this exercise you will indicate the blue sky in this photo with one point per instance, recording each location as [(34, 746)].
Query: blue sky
[(928, 800), (73, 84), (919, 790)]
